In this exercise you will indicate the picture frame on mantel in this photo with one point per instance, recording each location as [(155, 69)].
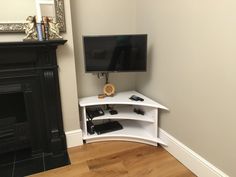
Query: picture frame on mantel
[(19, 27)]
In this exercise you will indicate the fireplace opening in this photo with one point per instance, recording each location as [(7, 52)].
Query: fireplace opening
[(13, 105), (14, 125)]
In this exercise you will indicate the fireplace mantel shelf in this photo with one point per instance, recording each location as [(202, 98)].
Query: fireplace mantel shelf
[(33, 43)]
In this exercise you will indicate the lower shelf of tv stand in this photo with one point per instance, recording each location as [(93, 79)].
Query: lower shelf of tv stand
[(128, 133)]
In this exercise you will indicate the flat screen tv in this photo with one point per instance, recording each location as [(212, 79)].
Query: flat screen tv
[(115, 53)]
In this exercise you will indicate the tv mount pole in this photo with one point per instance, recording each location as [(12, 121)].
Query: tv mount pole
[(102, 75), (107, 77)]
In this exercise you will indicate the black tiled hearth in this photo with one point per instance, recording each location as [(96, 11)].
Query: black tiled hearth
[(23, 163), (7, 158), (56, 161), (6, 170), (28, 167)]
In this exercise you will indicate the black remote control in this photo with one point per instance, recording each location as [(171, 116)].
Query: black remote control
[(112, 112), (136, 98)]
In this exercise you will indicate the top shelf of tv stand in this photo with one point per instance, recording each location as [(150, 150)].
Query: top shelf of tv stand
[(120, 98)]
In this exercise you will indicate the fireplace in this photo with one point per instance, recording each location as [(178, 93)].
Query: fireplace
[(30, 108)]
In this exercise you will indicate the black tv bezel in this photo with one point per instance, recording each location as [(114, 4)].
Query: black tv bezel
[(128, 71)]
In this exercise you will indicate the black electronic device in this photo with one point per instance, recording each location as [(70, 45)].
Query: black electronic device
[(90, 127), (112, 112), (115, 53), (136, 98), (139, 111), (107, 127), (94, 112)]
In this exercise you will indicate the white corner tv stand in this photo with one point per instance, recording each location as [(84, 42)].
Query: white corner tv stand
[(136, 127)]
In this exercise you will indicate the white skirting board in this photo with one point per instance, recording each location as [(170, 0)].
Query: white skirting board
[(189, 158), (74, 138)]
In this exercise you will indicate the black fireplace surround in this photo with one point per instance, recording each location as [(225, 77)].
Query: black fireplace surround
[(32, 138)]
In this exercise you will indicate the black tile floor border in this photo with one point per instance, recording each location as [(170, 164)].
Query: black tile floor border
[(56, 161), (6, 170), (28, 167), (7, 158), (26, 154), (23, 163)]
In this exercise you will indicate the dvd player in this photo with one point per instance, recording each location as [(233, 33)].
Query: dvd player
[(107, 127)]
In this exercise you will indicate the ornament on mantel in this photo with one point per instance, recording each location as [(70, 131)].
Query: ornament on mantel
[(54, 31), (46, 29), (30, 28)]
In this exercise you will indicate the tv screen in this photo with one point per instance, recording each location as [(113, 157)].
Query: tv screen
[(117, 53)]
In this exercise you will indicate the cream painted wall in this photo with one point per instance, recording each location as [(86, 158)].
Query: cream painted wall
[(95, 18), (192, 60), (67, 75)]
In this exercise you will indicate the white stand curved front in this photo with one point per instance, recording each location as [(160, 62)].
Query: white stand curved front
[(136, 127)]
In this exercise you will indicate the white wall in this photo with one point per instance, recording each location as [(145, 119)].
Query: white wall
[(192, 59), (67, 76), (101, 17)]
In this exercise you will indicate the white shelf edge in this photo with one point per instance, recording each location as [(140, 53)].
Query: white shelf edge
[(144, 119), (121, 139), (120, 98), (106, 136), (125, 113), (124, 103)]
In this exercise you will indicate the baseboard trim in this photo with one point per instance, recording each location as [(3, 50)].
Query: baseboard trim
[(194, 162), (74, 138)]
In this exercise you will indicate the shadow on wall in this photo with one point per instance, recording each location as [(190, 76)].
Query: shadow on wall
[(146, 77)]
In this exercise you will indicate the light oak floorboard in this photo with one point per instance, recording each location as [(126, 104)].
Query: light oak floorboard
[(119, 159)]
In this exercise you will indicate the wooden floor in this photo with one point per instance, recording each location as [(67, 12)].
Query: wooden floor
[(119, 159)]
